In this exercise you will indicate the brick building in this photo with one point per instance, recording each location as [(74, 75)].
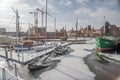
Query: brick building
[(114, 31), (41, 33)]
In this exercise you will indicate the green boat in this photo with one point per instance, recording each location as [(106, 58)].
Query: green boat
[(105, 45), (107, 42)]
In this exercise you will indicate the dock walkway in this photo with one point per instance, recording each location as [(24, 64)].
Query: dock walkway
[(27, 58)]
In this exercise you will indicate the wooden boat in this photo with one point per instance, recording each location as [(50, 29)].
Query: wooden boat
[(35, 66)]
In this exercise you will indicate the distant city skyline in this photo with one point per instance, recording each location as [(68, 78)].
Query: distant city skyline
[(89, 12)]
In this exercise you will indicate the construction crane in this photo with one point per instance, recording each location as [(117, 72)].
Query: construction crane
[(42, 14), (17, 25), (36, 20), (35, 23)]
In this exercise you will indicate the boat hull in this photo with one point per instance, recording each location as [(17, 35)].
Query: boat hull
[(60, 50), (105, 49), (21, 48), (35, 67), (105, 45)]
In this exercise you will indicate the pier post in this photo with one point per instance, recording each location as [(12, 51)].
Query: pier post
[(3, 74), (15, 70), (6, 54), (18, 55), (22, 55)]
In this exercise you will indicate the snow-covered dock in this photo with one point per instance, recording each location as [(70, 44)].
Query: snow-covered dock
[(71, 66), (25, 57)]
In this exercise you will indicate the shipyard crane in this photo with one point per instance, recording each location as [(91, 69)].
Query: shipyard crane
[(42, 13), (17, 25), (46, 13), (35, 22)]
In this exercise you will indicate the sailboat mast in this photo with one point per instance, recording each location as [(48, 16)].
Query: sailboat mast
[(54, 28), (17, 24), (42, 20), (46, 23), (65, 31), (104, 27), (18, 27), (29, 31), (76, 27)]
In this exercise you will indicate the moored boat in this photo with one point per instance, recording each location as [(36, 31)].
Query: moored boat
[(105, 45), (60, 50), (35, 66), (21, 47), (25, 45), (37, 63)]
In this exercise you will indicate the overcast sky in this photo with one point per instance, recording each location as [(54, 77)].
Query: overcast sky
[(89, 12)]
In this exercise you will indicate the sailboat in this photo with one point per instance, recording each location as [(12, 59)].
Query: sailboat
[(18, 46)]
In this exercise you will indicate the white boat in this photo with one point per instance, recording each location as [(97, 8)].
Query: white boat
[(60, 50), (21, 47)]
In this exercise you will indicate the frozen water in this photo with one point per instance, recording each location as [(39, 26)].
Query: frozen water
[(72, 66)]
